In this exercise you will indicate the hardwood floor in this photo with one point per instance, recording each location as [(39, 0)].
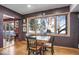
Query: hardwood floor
[(20, 49)]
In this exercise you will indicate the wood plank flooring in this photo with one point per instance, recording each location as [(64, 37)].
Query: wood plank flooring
[(20, 49)]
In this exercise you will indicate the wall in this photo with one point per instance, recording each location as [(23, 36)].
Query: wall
[(78, 23), (9, 12), (21, 35), (51, 11), (71, 41)]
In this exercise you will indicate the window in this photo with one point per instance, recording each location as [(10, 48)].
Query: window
[(38, 25), (61, 26), (56, 24)]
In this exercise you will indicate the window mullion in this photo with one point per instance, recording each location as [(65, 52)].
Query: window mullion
[(55, 24), (58, 24)]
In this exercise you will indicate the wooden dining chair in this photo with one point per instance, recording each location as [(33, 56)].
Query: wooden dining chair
[(41, 43), (33, 48), (50, 44)]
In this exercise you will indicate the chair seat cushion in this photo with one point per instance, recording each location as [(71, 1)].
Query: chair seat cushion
[(47, 44), (34, 48)]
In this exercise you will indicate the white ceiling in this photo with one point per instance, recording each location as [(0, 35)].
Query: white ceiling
[(74, 8), (23, 9)]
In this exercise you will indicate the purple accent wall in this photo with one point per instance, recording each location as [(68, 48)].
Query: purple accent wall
[(71, 41)]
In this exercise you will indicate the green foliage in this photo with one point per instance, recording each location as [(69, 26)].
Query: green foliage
[(33, 24)]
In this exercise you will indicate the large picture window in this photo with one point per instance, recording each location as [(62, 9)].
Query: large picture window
[(56, 24)]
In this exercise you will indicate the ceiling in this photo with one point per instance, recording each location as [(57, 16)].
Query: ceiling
[(23, 9), (74, 8)]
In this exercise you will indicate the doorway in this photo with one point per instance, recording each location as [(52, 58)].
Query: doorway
[(8, 32)]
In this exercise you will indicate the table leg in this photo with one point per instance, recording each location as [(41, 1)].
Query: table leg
[(52, 48)]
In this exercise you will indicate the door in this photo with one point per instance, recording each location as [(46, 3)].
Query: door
[(8, 33)]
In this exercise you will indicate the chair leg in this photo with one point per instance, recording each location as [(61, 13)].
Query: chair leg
[(43, 50), (52, 50), (28, 52), (40, 52)]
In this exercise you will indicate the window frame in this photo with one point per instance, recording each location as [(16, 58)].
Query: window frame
[(53, 15), (59, 24)]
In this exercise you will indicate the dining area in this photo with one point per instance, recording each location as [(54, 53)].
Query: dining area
[(38, 45), (42, 30)]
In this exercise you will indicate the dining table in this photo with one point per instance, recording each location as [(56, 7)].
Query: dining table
[(43, 40)]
